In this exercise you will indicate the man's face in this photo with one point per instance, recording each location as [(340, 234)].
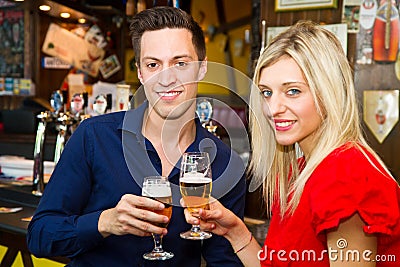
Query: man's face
[(169, 70)]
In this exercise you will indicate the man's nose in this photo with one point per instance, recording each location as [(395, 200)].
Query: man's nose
[(167, 77)]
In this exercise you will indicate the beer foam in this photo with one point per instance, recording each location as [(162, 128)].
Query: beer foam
[(195, 179), (156, 191)]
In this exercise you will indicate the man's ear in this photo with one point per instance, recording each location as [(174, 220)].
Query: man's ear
[(139, 73), (202, 70)]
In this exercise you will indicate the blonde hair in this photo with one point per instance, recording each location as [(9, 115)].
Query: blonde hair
[(325, 67)]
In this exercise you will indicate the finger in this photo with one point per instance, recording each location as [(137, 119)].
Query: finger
[(145, 208), (148, 228), (189, 218), (182, 202), (142, 228), (141, 224), (214, 203), (143, 202), (151, 216), (210, 214)]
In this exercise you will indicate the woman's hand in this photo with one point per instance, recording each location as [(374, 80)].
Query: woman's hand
[(218, 220), (221, 221)]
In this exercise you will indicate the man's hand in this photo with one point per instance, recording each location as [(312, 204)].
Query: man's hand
[(132, 215)]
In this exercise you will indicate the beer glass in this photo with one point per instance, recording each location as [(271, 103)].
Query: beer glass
[(158, 188), (195, 185)]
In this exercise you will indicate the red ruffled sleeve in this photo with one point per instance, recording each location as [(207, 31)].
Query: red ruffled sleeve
[(345, 183)]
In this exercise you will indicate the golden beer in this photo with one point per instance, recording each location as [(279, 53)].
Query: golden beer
[(195, 192), (158, 188), (161, 193), (167, 211)]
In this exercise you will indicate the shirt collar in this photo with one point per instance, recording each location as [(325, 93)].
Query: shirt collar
[(133, 121)]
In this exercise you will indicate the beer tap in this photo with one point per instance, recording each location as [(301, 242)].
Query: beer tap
[(56, 103), (67, 120), (64, 121), (38, 155)]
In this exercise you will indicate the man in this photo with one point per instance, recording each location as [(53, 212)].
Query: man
[(92, 210)]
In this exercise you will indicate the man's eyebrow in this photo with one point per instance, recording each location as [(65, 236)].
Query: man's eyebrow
[(175, 57)]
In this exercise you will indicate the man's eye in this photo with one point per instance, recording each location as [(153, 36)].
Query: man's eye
[(266, 93), (152, 65), (181, 64)]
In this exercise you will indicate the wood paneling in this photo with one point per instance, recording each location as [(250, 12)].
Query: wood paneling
[(327, 16)]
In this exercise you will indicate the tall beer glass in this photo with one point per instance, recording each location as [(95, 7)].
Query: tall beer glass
[(158, 188), (195, 185)]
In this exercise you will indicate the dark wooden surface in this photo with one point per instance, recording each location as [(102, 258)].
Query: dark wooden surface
[(24, 144), (12, 229)]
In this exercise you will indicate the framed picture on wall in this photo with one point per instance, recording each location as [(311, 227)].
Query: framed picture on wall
[(381, 112), (291, 5), (12, 43), (339, 30)]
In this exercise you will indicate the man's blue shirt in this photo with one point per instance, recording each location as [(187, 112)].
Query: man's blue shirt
[(107, 157)]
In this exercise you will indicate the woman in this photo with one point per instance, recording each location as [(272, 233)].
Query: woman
[(336, 205)]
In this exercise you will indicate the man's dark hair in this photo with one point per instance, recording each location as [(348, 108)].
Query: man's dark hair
[(161, 17)]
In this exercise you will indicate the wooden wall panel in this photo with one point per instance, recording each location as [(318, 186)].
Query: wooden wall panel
[(380, 77), (327, 16)]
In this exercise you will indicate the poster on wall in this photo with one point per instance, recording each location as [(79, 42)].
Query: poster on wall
[(73, 49), (351, 14), (381, 112), (339, 30), (12, 43)]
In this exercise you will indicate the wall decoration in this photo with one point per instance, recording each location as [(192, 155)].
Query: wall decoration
[(72, 49), (340, 30), (109, 66), (290, 5), (385, 35), (381, 111), (12, 43), (351, 16)]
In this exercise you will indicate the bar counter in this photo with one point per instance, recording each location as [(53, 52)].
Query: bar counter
[(12, 228)]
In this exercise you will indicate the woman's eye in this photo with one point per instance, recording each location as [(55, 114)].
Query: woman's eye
[(293, 91), (266, 93)]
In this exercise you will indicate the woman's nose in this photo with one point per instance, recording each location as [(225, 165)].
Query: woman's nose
[(277, 105)]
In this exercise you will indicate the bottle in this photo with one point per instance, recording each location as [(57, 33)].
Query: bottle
[(141, 5), (130, 8), (385, 40), (380, 113)]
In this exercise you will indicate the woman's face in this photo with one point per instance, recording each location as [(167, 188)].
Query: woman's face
[(289, 100)]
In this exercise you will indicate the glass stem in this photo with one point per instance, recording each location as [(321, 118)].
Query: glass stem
[(195, 228), (157, 243)]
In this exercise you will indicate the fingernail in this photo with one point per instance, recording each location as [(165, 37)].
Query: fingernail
[(212, 226)]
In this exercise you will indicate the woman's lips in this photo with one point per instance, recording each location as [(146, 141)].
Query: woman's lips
[(284, 125)]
